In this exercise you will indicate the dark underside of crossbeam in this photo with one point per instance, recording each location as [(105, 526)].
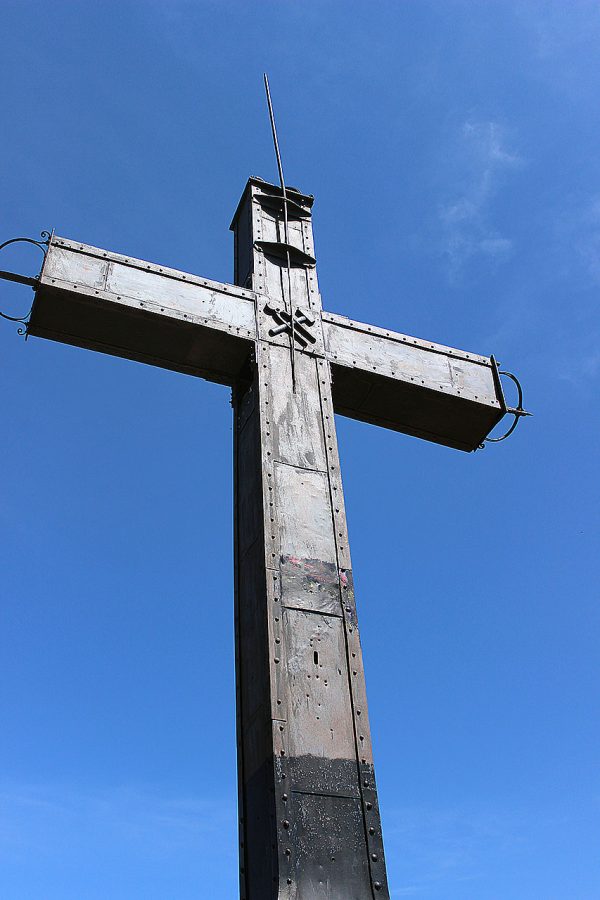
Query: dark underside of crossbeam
[(132, 333), (411, 409), (190, 347)]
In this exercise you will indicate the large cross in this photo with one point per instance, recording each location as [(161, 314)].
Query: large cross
[(309, 820)]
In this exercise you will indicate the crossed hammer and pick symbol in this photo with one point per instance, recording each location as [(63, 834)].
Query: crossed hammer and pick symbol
[(302, 321)]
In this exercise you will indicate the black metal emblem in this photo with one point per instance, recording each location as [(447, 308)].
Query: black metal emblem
[(298, 326)]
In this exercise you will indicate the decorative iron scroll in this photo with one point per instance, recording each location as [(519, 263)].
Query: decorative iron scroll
[(24, 279), (517, 411)]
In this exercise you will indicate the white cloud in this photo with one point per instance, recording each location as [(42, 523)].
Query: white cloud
[(482, 157)]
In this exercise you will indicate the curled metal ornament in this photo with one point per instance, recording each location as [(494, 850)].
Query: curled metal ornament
[(517, 411), (43, 244), (23, 320)]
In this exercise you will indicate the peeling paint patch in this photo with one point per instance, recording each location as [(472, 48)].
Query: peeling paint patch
[(310, 584)]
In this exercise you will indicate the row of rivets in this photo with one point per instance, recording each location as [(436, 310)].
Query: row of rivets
[(157, 270), (396, 337), (357, 683)]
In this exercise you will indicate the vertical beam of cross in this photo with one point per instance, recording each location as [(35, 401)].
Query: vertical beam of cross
[(310, 824)]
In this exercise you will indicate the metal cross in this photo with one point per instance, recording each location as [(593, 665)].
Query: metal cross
[(309, 818)]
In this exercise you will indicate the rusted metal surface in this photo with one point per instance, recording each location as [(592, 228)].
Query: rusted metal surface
[(309, 815)]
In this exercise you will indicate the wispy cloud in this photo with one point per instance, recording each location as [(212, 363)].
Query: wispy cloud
[(482, 157)]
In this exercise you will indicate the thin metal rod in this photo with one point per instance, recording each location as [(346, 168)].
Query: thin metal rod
[(285, 227), (19, 279)]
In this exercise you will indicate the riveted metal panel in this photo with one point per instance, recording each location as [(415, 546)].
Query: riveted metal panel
[(329, 852), (295, 427), (318, 736), (64, 265), (306, 529), (396, 356), (102, 301), (262, 203), (426, 390), (319, 727), (218, 307)]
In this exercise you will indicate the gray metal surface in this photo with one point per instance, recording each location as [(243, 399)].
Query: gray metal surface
[(307, 784), (309, 818), (420, 388), (127, 307), (305, 760)]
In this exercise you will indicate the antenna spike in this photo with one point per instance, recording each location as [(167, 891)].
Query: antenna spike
[(285, 226)]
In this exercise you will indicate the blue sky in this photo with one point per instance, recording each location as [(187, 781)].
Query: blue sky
[(453, 152)]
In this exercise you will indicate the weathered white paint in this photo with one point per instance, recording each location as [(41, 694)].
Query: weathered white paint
[(410, 360), (305, 521)]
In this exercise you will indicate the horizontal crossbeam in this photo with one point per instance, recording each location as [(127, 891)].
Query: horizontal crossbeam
[(127, 307), (417, 387), (131, 308)]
